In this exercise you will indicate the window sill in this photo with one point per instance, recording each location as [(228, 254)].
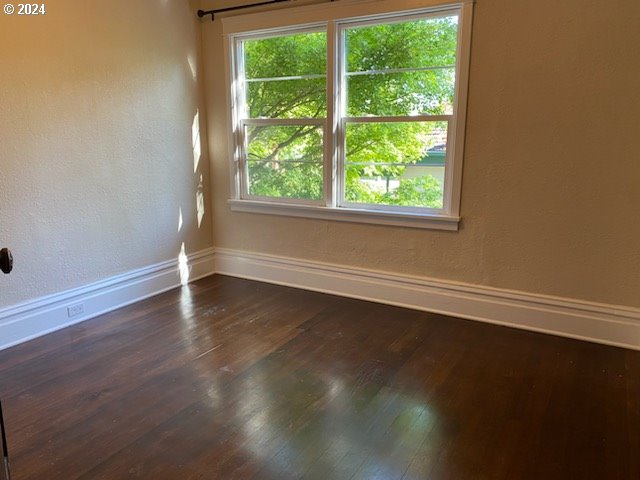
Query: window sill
[(398, 219)]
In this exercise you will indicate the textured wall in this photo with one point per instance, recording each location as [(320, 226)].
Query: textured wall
[(97, 104), (551, 184)]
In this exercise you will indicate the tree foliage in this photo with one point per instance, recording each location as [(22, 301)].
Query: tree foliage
[(394, 69)]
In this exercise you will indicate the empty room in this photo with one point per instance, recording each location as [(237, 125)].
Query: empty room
[(320, 239)]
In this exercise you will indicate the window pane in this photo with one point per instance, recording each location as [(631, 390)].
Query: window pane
[(400, 163), (431, 42), (286, 56), (427, 92), (305, 98), (285, 161), (285, 76)]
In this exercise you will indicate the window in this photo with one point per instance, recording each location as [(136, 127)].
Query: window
[(357, 119), (283, 103)]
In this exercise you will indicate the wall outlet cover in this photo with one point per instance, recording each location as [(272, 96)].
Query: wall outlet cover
[(75, 310)]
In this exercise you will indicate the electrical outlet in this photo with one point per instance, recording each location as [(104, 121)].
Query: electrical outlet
[(75, 310)]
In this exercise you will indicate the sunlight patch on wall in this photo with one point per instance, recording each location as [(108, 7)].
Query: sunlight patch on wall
[(183, 266), (180, 220), (196, 143), (192, 66), (200, 201)]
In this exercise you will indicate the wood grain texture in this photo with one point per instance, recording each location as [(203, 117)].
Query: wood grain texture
[(229, 378)]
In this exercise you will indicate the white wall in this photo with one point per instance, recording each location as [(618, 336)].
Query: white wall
[(553, 97), (97, 104)]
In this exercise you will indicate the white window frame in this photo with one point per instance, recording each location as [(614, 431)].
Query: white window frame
[(336, 18), (241, 122)]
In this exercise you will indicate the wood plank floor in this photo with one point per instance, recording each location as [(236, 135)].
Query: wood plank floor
[(229, 378)]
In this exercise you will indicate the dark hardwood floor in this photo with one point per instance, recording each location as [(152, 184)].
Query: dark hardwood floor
[(229, 378)]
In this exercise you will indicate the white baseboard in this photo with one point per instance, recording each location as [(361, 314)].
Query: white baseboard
[(595, 322), (44, 315), (601, 323)]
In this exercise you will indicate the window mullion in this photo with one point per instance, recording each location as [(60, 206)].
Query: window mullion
[(400, 119), (240, 113), (320, 122), (331, 124), (339, 124)]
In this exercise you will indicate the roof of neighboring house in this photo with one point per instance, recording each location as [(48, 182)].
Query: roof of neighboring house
[(438, 148), (435, 156)]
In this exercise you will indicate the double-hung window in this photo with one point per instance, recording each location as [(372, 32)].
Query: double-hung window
[(282, 98), (356, 118)]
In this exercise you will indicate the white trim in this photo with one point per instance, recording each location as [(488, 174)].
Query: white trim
[(336, 19), (457, 136), (35, 318), (277, 18), (330, 137), (287, 202), (595, 322), (283, 122), (355, 215), (285, 30), (387, 71), (399, 119), (233, 139), (280, 79), (340, 84)]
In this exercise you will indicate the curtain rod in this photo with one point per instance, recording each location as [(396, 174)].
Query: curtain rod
[(202, 13)]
